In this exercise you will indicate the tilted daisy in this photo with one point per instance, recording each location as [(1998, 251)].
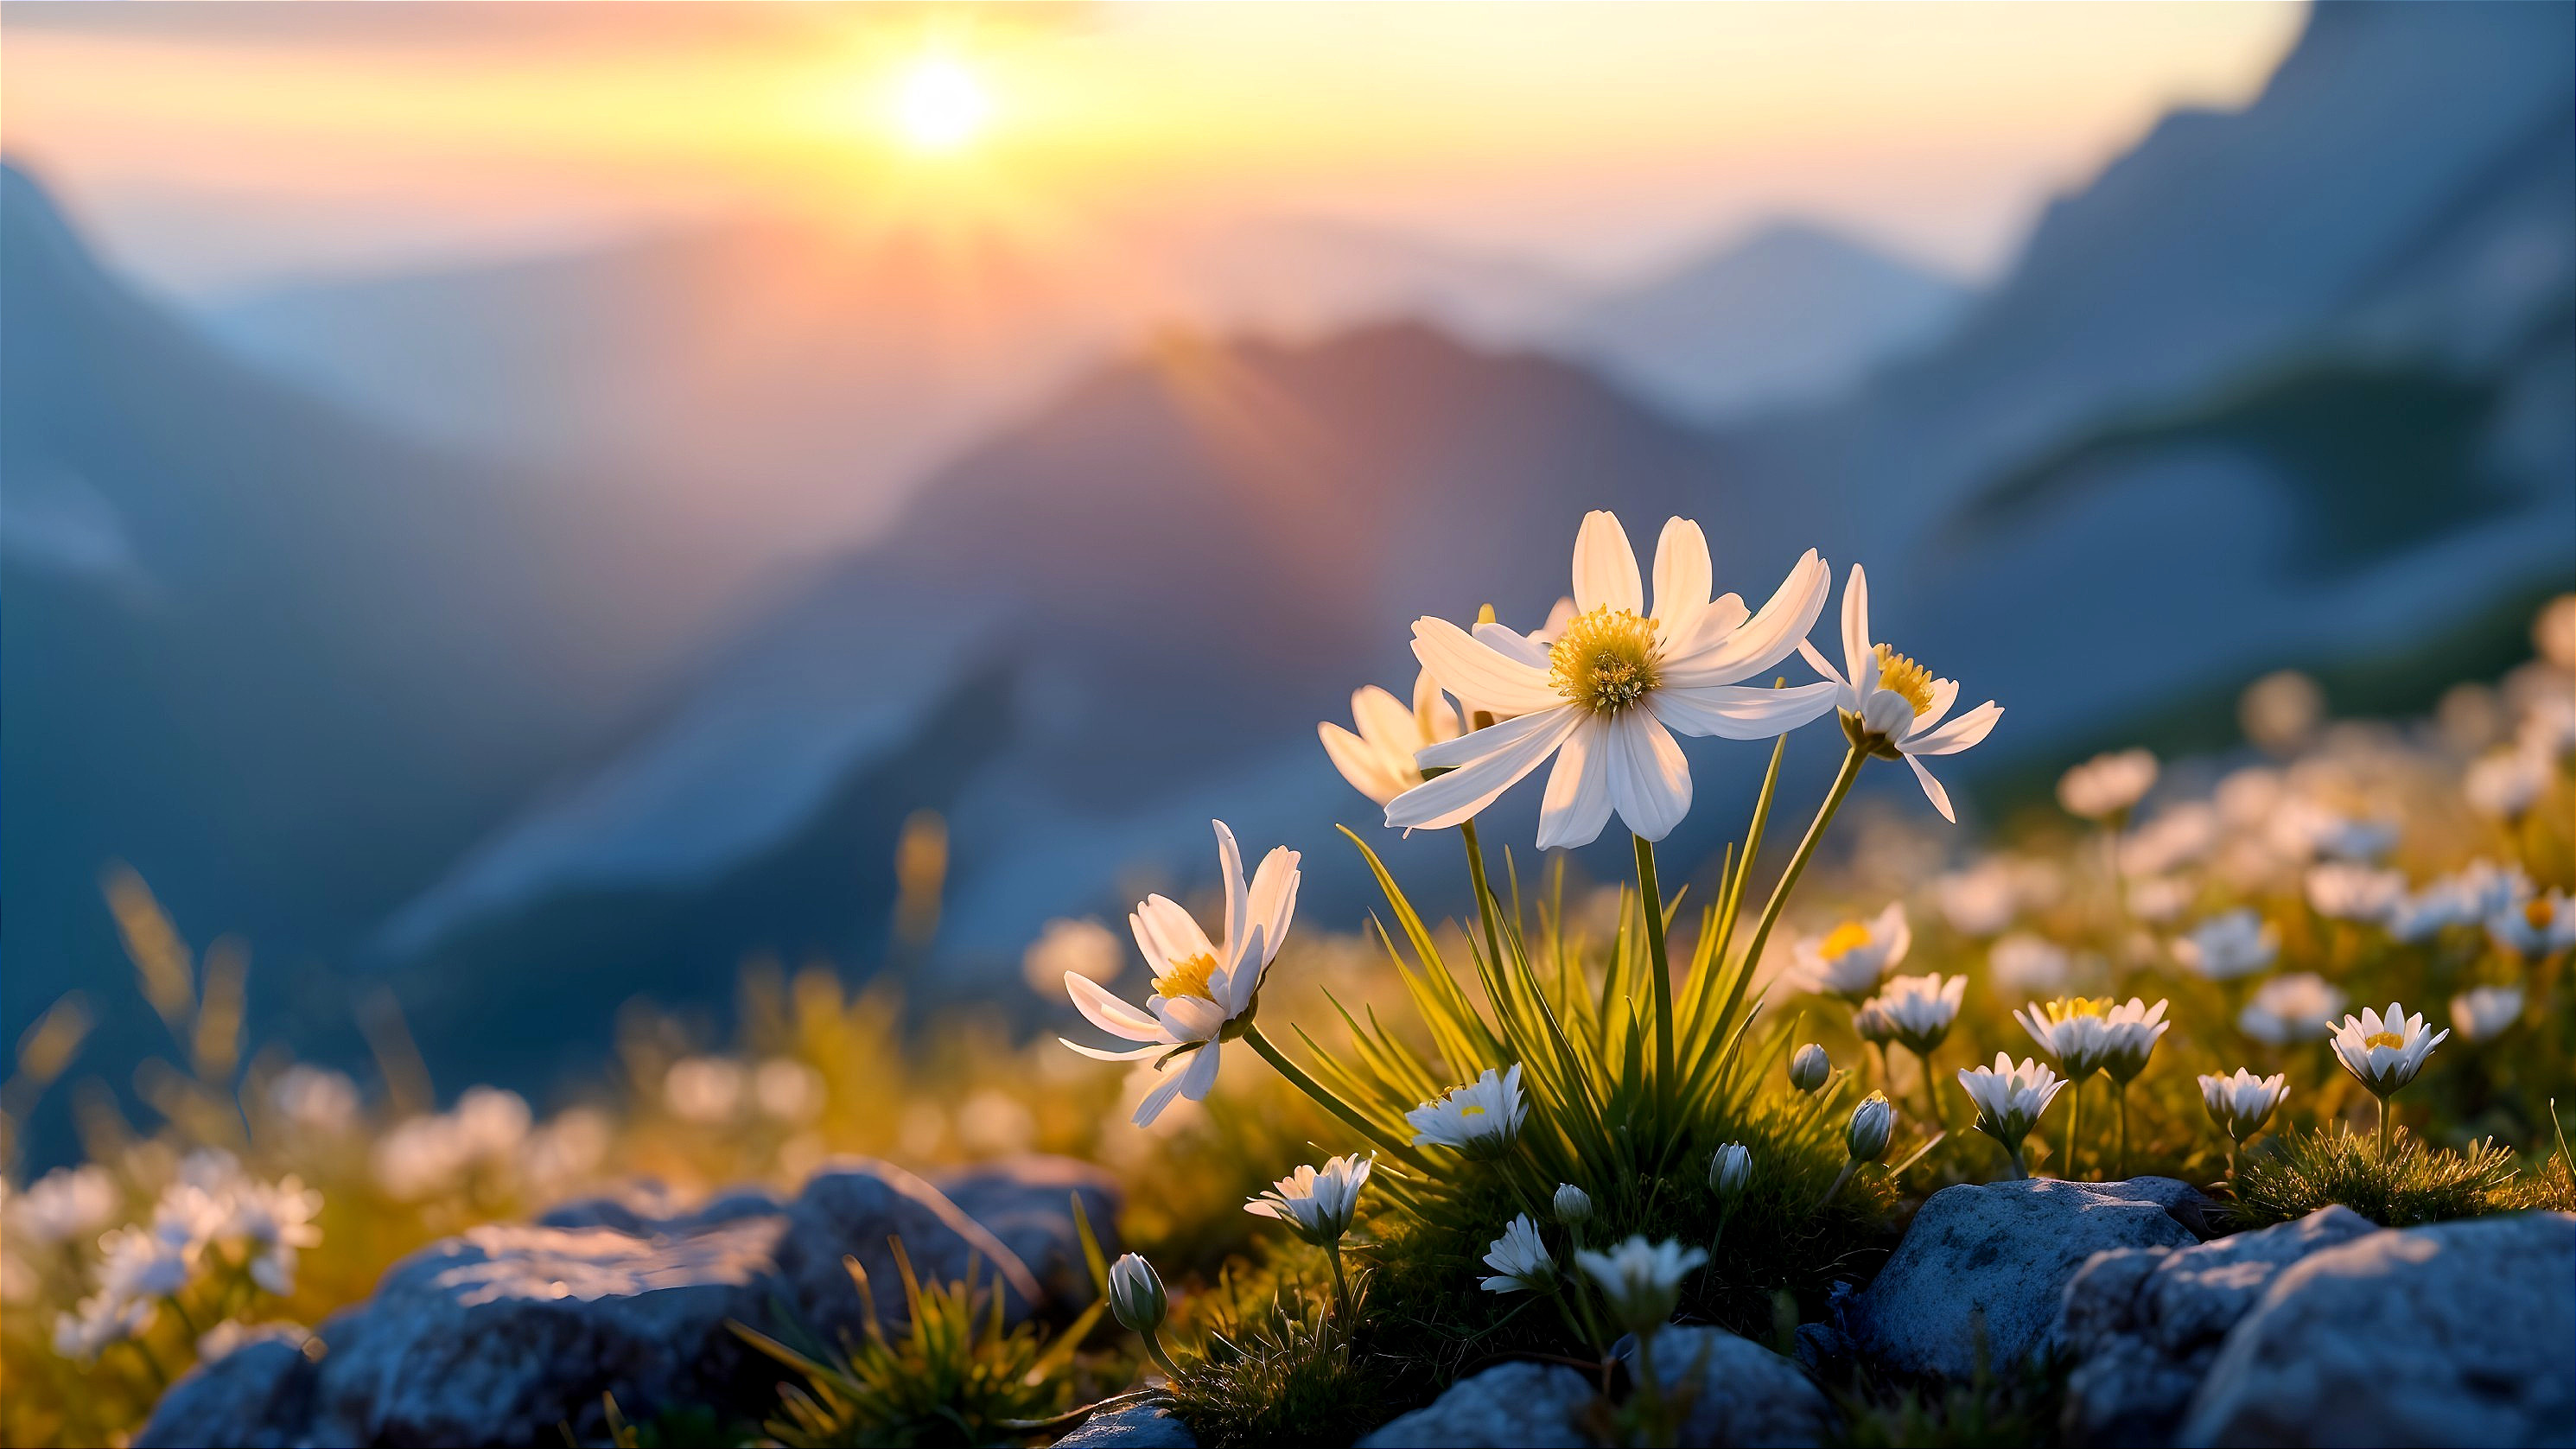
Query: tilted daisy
[(1642, 1281), (2384, 1052), (2073, 1029), (2536, 926), (1479, 1119), (1378, 761), (1316, 1203), (2010, 1100), (1918, 1010), (1848, 960), (1892, 707), (2485, 1011), (1204, 991), (2130, 1033), (1520, 1260), (1607, 695), (2242, 1103)]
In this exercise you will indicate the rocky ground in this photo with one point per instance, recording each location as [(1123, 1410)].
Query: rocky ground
[(2322, 1331)]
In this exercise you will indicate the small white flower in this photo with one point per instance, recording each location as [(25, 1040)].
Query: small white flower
[(144, 1264), (1317, 1203), (66, 1205), (2010, 1099), (787, 1089), (705, 1090), (316, 1099), (1810, 1068), (1872, 1122), (1892, 706), (1480, 1119), (1848, 960), (1981, 900), (1573, 1205), (2024, 962), (2107, 785), (1379, 760), (2241, 1104), (2507, 783), (2175, 837), (2384, 1052), (2226, 947), (2536, 926), (2160, 899), (2342, 891), (275, 1221), (2471, 895), (2130, 1034), (2486, 1011), (1520, 1260), (1918, 1010), (1136, 1296), (1642, 1281), (1729, 1169), (2297, 1007), (1204, 991), (1606, 697), (102, 1320), (2076, 1030)]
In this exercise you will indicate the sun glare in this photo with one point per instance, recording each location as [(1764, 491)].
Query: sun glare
[(940, 105)]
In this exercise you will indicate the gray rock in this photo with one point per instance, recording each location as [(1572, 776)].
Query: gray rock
[(1138, 1426), (501, 1335), (856, 1207), (1027, 1203), (251, 1398), (1746, 1394), (1508, 1406), (646, 1208), (2143, 1324), (1993, 1261), (1821, 1348), (2460, 1333)]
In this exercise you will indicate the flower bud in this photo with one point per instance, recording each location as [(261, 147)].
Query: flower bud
[(1730, 1170), (1871, 1123), (1573, 1205), (1136, 1297), (1809, 1068)]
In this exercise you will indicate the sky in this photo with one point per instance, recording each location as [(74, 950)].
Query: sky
[(218, 149)]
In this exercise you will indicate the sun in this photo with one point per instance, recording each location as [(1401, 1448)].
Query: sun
[(940, 106)]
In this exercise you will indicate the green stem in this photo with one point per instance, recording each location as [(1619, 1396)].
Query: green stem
[(1324, 1097), (1484, 899), (2074, 1124), (1652, 892), (2018, 1170), (1850, 1165), (1798, 862), (1341, 1290), (2120, 1167), (1161, 1355), (2383, 1130)]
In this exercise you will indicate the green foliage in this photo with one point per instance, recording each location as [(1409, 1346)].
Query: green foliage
[(1283, 1371), (2298, 1172), (955, 1377), (2018, 1409)]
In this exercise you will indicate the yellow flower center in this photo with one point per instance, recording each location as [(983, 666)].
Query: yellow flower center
[(1846, 938), (2383, 1039), (1471, 1111), (1605, 660), (2066, 1008), (2540, 912), (1187, 977), (1903, 676)]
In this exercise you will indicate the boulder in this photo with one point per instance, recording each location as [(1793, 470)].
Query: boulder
[(1138, 1426), (1026, 1203), (646, 1208), (2459, 1333), (1985, 1267), (1745, 1393), (252, 1397), (2142, 1325), (858, 1208), (503, 1334), (1508, 1406)]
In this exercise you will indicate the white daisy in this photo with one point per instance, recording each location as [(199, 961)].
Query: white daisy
[(1317, 1203), (1606, 697), (2297, 1007), (2107, 785), (1642, 1281), (1379, 760), (1918, 1010), (1892, 706), (2384, 1052), (2485, 1011), (1204, 991), (1520, 1260), (2130, 1033), (1848, 960), (2535, 926), (2010, 1099), (2344, 891), (2226, 947), (2242, 1103), (2076, 1030), (1480, 1119)]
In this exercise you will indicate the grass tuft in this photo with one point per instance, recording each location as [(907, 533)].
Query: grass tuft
[(2298, 1172), (1283, 1372)]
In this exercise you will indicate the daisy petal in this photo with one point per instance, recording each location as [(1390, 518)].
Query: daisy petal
[(1959, 733), (1102, 1054), (1487, 762), (1229, 857), (1932, 790), (1765, 639), (1365, 768), (1605, 566), (1682, 579), (1650, 782), (1109, 1013), (1159, 1098), (1274, 897), (1856, 641), (1202, 1073), (1383, 719), (1512, 643), (1741, 712), (1818, 662), (1577, 803), (1432, 712), (1479, 674), (1167, 933)]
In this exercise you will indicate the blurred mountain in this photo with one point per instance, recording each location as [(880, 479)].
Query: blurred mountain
[(284, 665), (1790, 314), (2284, 387)]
